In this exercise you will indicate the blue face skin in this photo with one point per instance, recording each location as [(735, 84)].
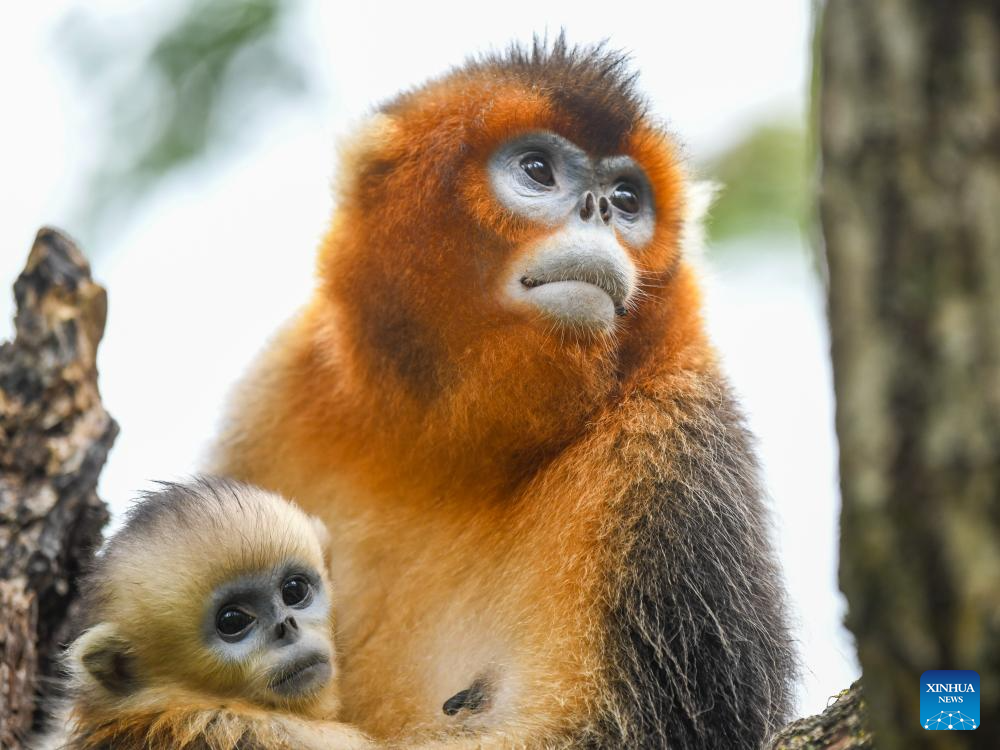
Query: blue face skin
[(280, 619), (546, 178), (582, 275)]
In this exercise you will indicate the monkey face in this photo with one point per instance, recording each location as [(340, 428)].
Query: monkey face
[(483, 212), (580, 274), (504, 242), (275, 625), (216, 587)]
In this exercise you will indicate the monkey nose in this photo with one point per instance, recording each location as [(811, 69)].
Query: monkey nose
[(591, 205), (288, 628), (604, 206)]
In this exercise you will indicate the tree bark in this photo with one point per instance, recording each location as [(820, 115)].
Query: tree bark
[(910, 211), (843, 726), (54, 438)]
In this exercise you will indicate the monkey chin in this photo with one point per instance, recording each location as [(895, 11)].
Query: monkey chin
[(301, 679), (576, 305)]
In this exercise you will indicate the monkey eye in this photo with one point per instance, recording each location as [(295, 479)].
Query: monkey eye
[(626, 198), (295, 590), (538, 168), (233, 621)]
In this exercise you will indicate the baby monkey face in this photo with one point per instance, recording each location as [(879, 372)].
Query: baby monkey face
[(276, 624)]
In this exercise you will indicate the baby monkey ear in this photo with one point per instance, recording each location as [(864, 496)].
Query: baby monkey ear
[(105, 656), (323, 535)]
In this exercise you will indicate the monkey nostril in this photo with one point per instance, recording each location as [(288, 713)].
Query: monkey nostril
[(292, 624), (587, 209), (605, 209), (279, 630)]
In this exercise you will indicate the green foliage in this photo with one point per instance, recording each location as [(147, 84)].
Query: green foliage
[(765, 183), (191, 84)]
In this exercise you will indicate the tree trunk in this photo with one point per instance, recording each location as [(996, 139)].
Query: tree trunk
[(54, 438), (910, 210)]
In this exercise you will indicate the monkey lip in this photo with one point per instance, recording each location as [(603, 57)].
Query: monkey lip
[(581, 280), (302, 675), (580, 299), (612, 290)]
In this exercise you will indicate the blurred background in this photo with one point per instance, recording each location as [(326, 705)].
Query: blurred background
[(188, 145)]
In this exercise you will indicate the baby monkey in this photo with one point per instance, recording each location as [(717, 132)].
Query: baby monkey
[(209, 627)]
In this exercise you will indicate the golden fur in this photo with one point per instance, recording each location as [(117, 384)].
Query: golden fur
[(146, 607)]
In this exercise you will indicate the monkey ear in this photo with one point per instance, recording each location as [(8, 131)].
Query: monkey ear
[(701, 194), (103, 655), (377, 136), (370, 152), (322, 534)]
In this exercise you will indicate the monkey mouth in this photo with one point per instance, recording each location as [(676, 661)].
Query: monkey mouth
[(584, 291), (606, 284), (580, 280), (302, 675)]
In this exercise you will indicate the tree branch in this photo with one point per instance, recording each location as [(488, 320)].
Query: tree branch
[(843, 726), (54, 439)]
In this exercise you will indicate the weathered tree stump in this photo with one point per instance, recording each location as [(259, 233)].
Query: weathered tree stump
[(54, 439)]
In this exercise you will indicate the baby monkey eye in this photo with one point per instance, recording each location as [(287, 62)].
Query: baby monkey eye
[(537, 167), (626, 198), (232, 621), (295, 590)]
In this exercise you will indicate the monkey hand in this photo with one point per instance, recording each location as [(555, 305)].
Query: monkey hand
[(303, 734)]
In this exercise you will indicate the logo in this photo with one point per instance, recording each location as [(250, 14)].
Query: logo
[(949, 699)]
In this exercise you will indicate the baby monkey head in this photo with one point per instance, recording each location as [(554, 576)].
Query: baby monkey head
[(215, 587)]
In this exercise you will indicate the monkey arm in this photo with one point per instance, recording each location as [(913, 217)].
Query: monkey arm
[(177, 722), (700, 655), (303, 734)]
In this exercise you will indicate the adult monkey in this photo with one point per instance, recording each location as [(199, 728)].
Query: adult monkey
[(547, 524)]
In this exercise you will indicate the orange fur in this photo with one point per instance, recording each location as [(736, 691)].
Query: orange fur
[(472, 463)]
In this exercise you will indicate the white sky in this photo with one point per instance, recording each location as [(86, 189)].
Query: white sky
[(710, 67), (223, 253)]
